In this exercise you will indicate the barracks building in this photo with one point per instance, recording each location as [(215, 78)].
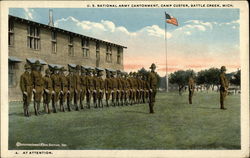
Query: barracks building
[(35, 41)]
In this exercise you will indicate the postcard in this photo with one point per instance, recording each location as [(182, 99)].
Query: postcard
[(124, 79)]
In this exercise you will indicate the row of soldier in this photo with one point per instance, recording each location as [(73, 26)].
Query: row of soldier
[(80, 84)]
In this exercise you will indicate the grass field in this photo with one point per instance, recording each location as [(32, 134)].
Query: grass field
[(175, 125)]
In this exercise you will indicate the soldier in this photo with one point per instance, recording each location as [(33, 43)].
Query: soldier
[(99, 86), (64, 88), (77, 89), (131, 90), (136, 87), (94, 71), (191, 87), (89, 85), (122, 87), (223, 87), (56, 87), (71, 86), (83, 84), (119, 87), (114, 88), (126, 88), (37, 81), (26, 88), (108, 86), (152, 80), (48, 90)]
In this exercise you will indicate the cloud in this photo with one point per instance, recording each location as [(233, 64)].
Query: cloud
[(28, 13), (187, 47)]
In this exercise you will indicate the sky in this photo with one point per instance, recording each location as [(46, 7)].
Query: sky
[(205, 37)]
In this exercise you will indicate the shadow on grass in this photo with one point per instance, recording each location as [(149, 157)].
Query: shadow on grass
[(207, 108), (130, 111)]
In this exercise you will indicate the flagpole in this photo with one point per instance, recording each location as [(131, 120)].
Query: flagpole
[(166, 54)]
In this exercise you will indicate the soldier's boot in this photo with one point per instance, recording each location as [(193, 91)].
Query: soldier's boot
[(28, 113), (38, 108), (88, 105), (25, 111), (35, 108), (68, 104), (55, 108), (95, 103), (107, 103), (47, 105), (77, 108), (222, 105), (45, 108), (63, 109)]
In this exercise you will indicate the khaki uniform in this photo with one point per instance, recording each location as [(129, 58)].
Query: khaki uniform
[(99, 87), (64, 89), (118, 90), (223, 89), (47, 85), (114, 90), (77, 90), (108, 85), (26, 86), (57, 88), (90, 88), (191, 88), (152, 81), (83, 84), (71, 87), (131, 90)]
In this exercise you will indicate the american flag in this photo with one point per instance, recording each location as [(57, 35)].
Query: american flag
[(171, 19)]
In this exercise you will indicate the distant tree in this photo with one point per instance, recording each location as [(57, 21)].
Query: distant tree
[(208, 77), (180, 78), (235, 79)]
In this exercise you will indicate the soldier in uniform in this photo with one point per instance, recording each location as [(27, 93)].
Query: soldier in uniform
[(83, 84), (71, 86), (114, 88), (152, 80), (108, 86), (37, 81), (77, 89), (126, 88), (64, 88), (26, 88), (99, 86), (119, 87), (89, 85), (191, 87), (131, 89), (136, 87), (56, 88), (48, 89), (223, 87), (123, 87)]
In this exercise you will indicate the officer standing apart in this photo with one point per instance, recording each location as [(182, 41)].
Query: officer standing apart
[(191, 87), (223, 87), (26, 88), (152, 79)]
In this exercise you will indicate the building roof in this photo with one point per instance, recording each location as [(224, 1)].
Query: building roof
[(14, 59), (61, 30)]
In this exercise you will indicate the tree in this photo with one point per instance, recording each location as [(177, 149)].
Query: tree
[(208, 77), (235, 79), (180, 78)]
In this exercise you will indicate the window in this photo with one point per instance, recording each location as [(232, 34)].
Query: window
[(33, 41), (71, 48), (53, 41), (108, 53), (12, 79), (85, 48), (119, 54), (11, 33)]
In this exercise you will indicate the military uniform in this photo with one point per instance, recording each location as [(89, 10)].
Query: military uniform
[(71, 87), (56, 84), (126, 89), (26, 88), (77, 87), (83, 84), (108, 85), (64, 89), (131, 88), (191, 88), (99, 86), (47, 85), (89, 86), (114, 88), (223, 87), (118, 88), (37, 81), (152, 80)]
